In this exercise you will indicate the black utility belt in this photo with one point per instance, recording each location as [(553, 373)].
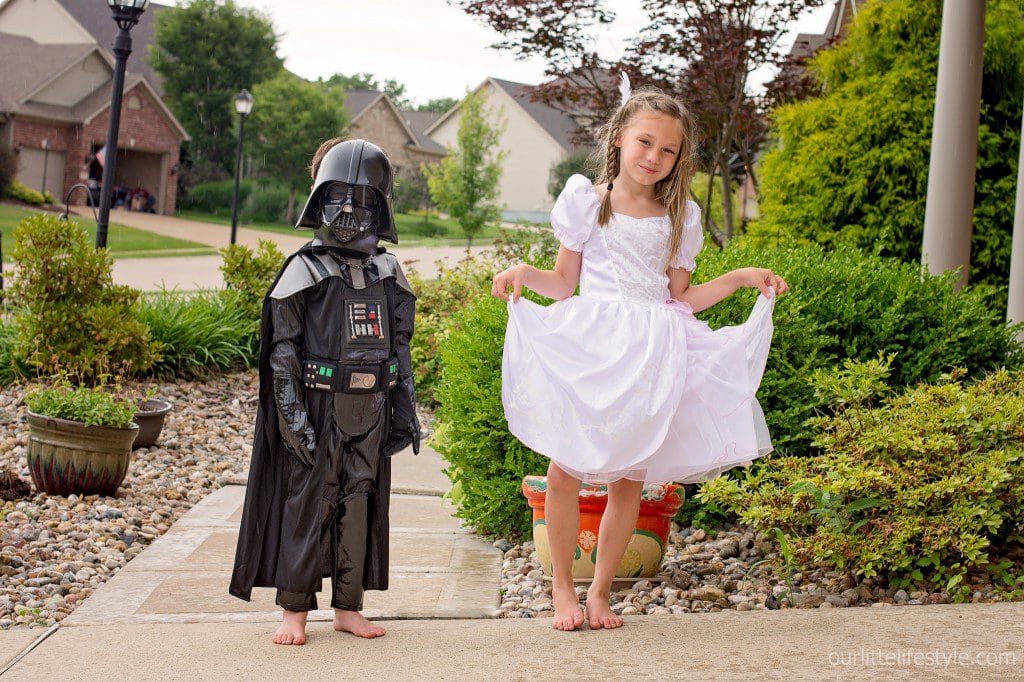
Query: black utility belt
[(337, 377)]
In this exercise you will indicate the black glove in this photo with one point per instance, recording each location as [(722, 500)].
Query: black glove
[(405, 426), (296, 431)]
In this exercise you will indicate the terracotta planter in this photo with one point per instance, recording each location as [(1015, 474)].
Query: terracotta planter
[(150, 419), (645, 549), (67, 457)]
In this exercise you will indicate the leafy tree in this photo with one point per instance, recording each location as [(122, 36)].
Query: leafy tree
[(701, 51), (852, 165), (576, 162), (465, 183), (438, 104), (412, 192), (291, 118), (205, 52), (367, 81)]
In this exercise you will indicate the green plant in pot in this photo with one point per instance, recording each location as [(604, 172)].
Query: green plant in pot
[(80, 438)]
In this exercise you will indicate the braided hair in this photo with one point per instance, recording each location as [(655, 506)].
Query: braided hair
[(675, 187)]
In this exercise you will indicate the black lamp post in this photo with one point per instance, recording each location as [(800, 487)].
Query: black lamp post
[(126, 15), (46, 158), (243, 105)]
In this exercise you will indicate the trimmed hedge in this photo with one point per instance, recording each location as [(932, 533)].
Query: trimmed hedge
[(843, 304), (215, 197), (916, 488)]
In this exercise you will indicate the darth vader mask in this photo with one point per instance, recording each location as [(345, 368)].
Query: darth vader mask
[(350, 211), (351, 194)]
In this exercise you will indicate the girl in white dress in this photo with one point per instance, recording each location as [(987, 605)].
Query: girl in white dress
[(622, 384)]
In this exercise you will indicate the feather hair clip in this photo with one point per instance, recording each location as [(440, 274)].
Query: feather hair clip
[(624, 88)]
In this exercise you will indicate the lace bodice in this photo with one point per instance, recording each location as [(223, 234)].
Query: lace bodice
[(627, 258)]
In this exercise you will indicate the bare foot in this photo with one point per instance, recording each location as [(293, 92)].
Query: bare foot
[(354, 622), (293, 628), (568, 615), (599, 613)]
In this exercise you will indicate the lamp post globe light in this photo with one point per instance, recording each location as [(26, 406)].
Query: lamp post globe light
[(126, 15), (243, 105)]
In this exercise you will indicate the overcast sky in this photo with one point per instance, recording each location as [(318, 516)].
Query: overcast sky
[(434, 49)]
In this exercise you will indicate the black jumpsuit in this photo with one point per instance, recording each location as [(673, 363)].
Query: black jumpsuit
[(352, 315)]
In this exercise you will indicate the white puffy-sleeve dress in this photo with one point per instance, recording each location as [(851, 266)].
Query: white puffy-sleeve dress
[(622, 381)]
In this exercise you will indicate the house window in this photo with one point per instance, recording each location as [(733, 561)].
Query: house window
[(134, 103)]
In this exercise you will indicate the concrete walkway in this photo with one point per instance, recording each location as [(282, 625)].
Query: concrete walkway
[(202, 272), (438, 569), (167, 615), (981, 642)]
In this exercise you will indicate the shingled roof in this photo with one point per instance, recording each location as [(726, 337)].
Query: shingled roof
[(419, 121), (28, 65), (555, 122), (358, 101), (95, 17)]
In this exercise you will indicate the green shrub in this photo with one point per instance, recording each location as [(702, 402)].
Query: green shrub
[(843, 305), (411, 191), (915, 488), (215, 197), (268, 203), (248, 276), (197, 333), (436, 299), (851, 167), (454, 289), (11, 369), (69, 315), (96, 406), (20, 192), (577, 162)]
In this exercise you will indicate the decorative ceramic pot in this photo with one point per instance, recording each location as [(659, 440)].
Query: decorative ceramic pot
[(67, 457), (645, 549), (150, 419)]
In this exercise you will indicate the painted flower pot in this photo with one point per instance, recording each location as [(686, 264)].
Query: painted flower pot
[(645, 549), (150, 419), (67, 457)]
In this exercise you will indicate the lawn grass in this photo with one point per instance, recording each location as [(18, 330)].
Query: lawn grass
[(123, 241), (413, 230)]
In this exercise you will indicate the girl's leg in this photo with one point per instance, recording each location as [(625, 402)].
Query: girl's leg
[(617, 526), (562, 510)]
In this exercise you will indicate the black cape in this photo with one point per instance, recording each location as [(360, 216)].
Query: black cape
[(256, 555)]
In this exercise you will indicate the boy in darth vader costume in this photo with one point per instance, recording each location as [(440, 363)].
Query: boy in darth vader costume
[(336, 401)]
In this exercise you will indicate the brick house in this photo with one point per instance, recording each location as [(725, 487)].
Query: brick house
[(374, 117), (55, 85)]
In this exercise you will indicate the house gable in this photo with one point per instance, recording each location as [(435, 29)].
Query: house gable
[(530, 151), (44, 21), (75, 83)]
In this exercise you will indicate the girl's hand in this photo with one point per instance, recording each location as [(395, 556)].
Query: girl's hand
[(514, 277), (762, 278)]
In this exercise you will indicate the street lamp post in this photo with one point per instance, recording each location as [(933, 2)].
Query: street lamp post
[(46, 158), (243, 105), (126, 15)]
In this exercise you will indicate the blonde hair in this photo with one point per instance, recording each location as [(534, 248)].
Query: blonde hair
[(673, 190)]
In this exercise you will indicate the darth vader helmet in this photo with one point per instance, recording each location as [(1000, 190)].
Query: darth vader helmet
[(351, 196)]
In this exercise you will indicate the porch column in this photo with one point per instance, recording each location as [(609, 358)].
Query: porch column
[(954, 152)]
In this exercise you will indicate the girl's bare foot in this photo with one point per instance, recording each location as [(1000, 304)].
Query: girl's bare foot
[(568, 615), (292, 629), (354, 622), (599, 613)]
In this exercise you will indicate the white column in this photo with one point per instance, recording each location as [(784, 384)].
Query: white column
[(954, 153), (1015, 304)]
